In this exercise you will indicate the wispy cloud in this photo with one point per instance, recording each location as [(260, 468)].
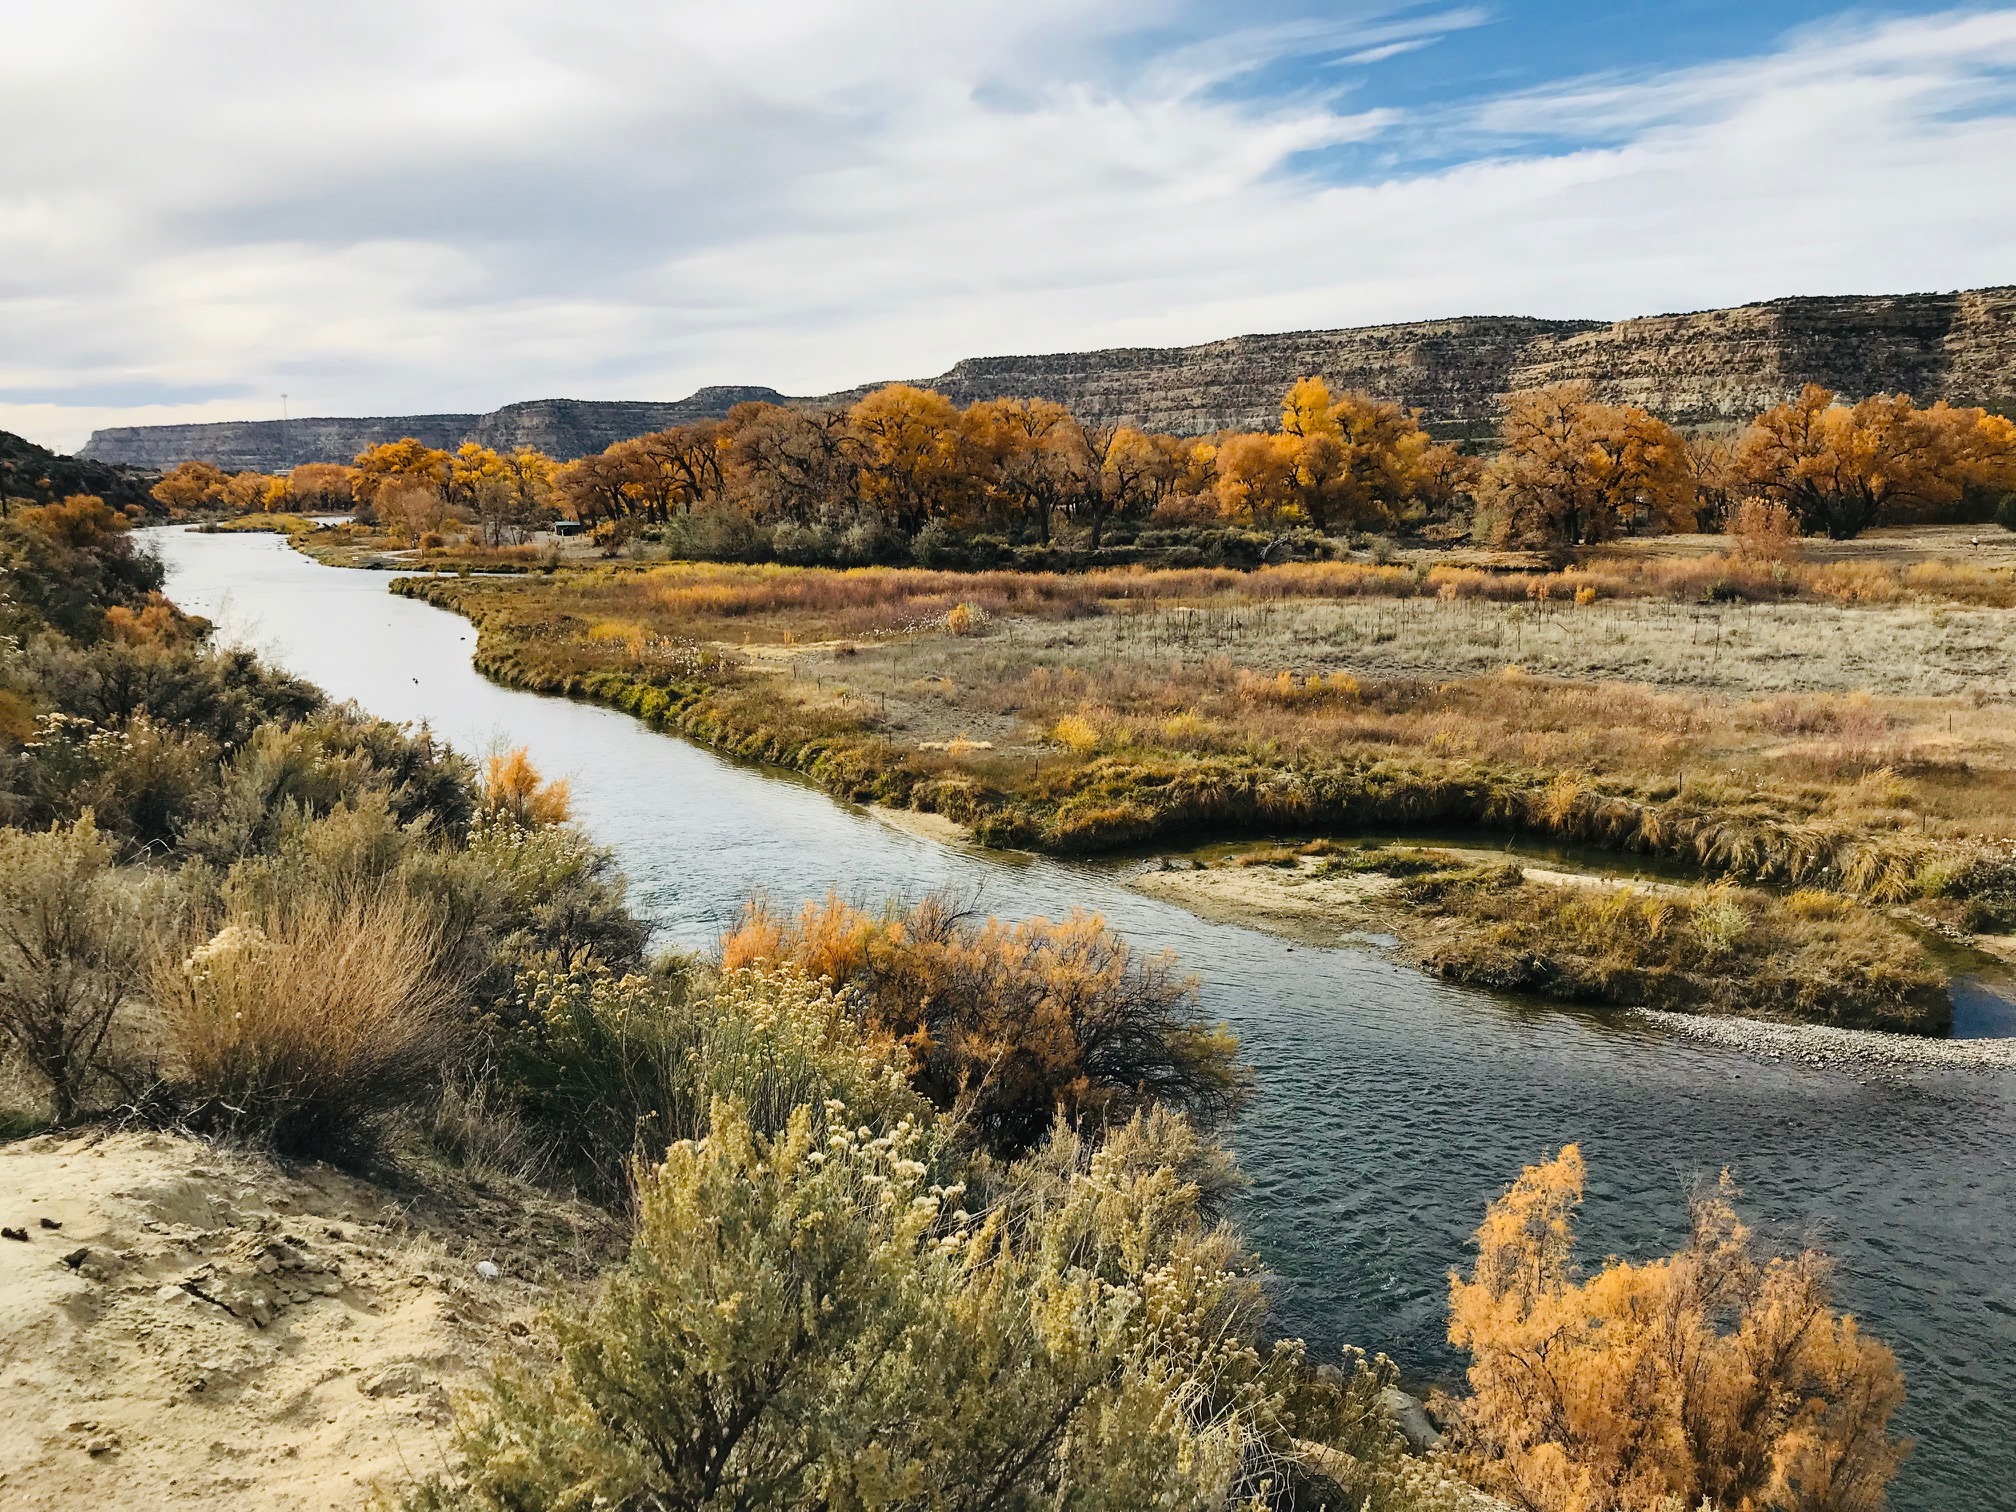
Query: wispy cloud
[(453, 204)]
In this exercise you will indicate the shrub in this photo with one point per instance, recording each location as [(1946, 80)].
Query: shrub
[(618, 1068), (814, 1318), (1076, 733), (1012, 1023), (1712, 1377), (73, 935), (309, 1022), (807, 1321), (512, 787)]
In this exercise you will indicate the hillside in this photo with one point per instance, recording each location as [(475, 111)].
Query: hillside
[(1706, 368), (28, 471), (564, 428)]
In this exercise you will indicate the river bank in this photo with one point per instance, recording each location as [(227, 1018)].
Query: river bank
[(1487, 919)]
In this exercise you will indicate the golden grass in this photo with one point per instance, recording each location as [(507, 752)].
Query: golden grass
[(309, 1022), (1144, 707)]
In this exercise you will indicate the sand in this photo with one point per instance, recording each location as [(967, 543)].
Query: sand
[(210, 1329)]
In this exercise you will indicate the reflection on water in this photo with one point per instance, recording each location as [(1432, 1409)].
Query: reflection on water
[(1390, 1106)]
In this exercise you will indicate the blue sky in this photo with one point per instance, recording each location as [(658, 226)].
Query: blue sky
[(394, 206)]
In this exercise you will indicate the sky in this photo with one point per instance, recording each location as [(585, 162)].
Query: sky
[(417, 206)]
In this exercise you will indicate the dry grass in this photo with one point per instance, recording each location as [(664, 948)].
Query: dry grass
[(307, 1024), (1860, 742), (1810, 956)]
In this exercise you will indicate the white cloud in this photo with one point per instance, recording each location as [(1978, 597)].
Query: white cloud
[(453, 204)]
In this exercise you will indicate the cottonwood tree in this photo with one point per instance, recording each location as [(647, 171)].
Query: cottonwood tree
[(597, 486), (1839, 468), (912, 457), (322, 487), (190, 486), (1573, 472), (405, 462), (255, 492), (791, 464), (1025, 446), (1343, 462), (1714, 1377)]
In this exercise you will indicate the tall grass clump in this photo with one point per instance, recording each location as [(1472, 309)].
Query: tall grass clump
[(308, 1023)]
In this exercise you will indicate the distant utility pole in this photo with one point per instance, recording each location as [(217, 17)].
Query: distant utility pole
[(286, 450)]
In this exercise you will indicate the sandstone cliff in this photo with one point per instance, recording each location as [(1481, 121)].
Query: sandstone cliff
[(564, 428), (1708, 368), (1712, 367)]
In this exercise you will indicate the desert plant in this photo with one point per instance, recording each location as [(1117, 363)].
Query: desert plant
[(73, 934), (812, 1321), (1009, 1023), (1713, 1377), (614, 1068), (309, 1021)]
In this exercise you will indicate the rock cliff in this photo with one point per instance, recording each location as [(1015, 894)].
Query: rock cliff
[(564, 428), (1708, 368), (1712, 367)]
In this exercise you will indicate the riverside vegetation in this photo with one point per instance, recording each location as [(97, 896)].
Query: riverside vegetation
[(925, 1211), (1766, 722), (1832, 830)]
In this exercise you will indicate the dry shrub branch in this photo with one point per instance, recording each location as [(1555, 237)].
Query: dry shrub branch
[(1716, 1377)]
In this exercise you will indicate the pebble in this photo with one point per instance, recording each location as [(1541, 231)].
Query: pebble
[(1844, 1049)]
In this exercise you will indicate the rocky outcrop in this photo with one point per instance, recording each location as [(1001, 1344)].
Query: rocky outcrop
[(1453, 371), (1708, 368), (1712, 367), (564, 428), (569, 428), (268, 445)]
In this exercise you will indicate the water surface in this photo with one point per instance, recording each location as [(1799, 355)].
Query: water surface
[(1390, 1107)]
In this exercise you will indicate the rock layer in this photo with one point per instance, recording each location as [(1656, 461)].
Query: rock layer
[(1712, 367)]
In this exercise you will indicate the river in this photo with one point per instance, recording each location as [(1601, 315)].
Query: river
[(1390, 1107)]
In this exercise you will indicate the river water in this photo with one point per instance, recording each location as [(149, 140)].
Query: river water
[(1390, 1107)]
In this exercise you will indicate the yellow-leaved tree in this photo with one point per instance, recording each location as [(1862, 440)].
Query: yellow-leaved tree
[(1354, 462), (393, 463), (1839, 468), (1713, 1377), (1574, 472)]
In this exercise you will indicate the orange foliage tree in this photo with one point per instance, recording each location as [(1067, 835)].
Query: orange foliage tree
[(911, 454), (1011, 1025), (255, 492), (1839, 467), (902, 458), (1354, 462), (322, 487), (190, 486), (1709, 1378), (403, 462), (1573, 472)]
